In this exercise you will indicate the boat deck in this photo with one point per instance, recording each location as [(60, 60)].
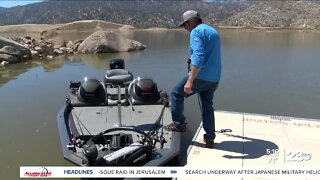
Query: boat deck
[(94, 120), (258, 141), (99, 118)]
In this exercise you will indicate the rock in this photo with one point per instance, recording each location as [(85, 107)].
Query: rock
[(4, 63), (58, 46), (25, 57), (69, 50), (9, 58), (28, 42), (78, 41), (37, 48), (70, 44), (45, 35), (47, 49), (34, 53), (57, 51), (53, 37), (63, 49), (108, 41), (10, 50), (76, 45), (50, 57), (20, 47)]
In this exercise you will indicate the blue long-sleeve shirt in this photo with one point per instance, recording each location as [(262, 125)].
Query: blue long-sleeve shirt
[(205, 52)]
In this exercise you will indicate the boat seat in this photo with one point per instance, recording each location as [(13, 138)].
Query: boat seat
[(117, 81), (89, 93), (144, 91), (118, 76), (75, 102)]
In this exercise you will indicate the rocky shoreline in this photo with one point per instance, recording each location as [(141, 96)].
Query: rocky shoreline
[(105, 39)]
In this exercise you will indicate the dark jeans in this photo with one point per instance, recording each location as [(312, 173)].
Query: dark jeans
[(206, 90)]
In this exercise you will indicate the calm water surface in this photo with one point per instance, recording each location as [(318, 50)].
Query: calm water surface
[(274, 73)]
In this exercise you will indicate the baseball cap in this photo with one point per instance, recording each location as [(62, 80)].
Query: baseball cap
[(190, 14)]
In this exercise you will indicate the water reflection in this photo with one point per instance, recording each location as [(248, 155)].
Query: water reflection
[(53, 64), (95, 61), (11, 72), (270, 39), (101, 61), (163, 39)]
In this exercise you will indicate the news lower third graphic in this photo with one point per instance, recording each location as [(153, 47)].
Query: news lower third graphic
[(274, 158), (166, 172)]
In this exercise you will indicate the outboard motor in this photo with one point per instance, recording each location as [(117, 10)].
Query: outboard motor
[(116, 64), (144, 91), (92, 92)]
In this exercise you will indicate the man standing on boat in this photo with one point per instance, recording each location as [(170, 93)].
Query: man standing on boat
[(203, 77)]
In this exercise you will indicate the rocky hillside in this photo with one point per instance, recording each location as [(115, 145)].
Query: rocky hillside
[(138, 13), (166, 13), (290, 14)]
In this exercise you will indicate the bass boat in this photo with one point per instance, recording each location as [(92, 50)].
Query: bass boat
[(117, 122)]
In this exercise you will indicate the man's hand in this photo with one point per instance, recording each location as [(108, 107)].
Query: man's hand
[(192, 75), (188, 87)]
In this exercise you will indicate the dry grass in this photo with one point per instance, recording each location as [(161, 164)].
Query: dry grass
[(34, 30)]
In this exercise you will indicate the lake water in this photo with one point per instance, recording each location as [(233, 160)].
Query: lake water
[(264, 72)]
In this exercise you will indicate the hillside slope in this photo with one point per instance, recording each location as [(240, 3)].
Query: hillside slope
[(167, 14)]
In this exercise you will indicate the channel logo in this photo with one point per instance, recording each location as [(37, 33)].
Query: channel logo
[(41, 172)]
